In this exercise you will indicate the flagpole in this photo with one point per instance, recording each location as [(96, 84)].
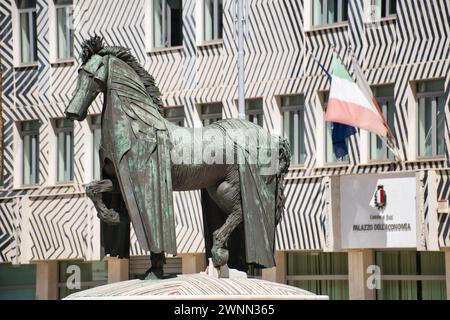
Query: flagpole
[(336, 52), (240, 45)]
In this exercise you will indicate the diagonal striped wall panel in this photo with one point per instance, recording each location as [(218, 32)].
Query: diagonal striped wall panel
[(443, 193), (302, 226)]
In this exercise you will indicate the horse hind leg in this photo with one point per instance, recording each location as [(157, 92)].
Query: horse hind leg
[(156, 271), (227, 197)]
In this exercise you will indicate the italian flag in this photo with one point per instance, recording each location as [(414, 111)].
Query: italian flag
[(348, 104)]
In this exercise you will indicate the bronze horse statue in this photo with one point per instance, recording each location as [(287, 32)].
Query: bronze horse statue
[(242, 196)]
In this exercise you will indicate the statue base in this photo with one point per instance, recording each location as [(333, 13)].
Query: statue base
[(213, 284)]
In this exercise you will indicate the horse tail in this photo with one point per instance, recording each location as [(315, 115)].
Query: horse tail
[(284, 154)]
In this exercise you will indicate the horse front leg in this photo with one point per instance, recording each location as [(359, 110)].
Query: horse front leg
[(94, 191)]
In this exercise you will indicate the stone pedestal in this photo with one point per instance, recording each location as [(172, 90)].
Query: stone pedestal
[(47, 280), (278, 273), (193, 262), (118, 269), (195, 287), (358, 262)]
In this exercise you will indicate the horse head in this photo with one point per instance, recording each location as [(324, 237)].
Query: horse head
[(92, 77), (93, 74)]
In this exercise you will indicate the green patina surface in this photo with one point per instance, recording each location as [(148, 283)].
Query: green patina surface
[(137, 140)]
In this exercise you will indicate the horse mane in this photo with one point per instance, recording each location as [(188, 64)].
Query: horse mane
[(95, 45)]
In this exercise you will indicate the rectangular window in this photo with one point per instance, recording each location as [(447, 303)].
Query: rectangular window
[(92, 274), (167, 23), (320, 273), (409, 275), (96, 136), (17, 282), (30, 143), (211, 113), (383, 8), (330, 157), (175, 115), (385, 98), (64, 134), (293, 113), (329, 11), (27, 22), (431, 118), (254, 111), (212, 17), (64, 27)]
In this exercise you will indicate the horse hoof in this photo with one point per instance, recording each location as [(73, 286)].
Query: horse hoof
[(219, 257), (154, 274), (111, 217)]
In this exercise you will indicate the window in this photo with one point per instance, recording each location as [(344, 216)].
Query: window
[(431, 118), (30, 143), (293, 113), (212, 17), (329, 152), (167, 23), (27, 22), (383, 8), (320, 273), (329, 11), (409, 275), (254, 111), (96, 136), (93, 274), (64, 28), (211, 113), (17, 282), (64, 134), (175, 115), (385, 98)]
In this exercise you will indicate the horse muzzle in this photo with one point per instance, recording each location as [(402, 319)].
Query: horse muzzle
[(75, 111), (78, 106)]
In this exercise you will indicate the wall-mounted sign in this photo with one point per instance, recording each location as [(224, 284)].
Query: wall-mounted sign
[(378, 211)]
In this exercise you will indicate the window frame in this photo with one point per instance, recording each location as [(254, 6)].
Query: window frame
[(95, 267), (178, 119), (95, 153), (316, 274), (383, 102), (34, 153), (419, 276), (253, 113), (69, 176), (210, 116), (69, 35), (435, 107), (324, 15), (387, 15), (295, 108), (324, 100), (32, 30), (166, 28), (215, 24)]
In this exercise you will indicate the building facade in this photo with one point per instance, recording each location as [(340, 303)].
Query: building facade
[(189, 46)]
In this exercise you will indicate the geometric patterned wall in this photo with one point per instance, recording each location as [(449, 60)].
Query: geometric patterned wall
[(56, 222)]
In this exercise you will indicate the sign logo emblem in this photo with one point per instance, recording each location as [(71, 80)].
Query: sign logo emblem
[(380, 198)]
